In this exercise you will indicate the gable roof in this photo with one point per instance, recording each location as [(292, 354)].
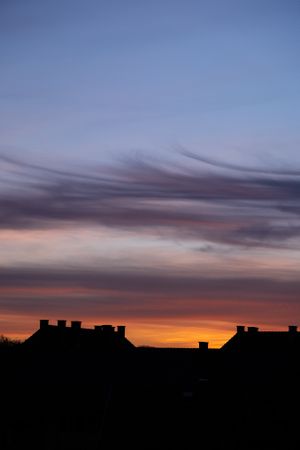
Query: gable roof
[(253, 340), (74, 337)]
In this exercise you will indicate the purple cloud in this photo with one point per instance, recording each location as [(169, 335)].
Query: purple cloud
[(236, 209), (155, 294)]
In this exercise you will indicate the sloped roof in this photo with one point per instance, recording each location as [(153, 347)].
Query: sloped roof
[(264, 341), (53, 337)]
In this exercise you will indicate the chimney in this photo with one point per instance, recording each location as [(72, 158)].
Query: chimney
[(98, 328), (61, 323), (293, 328), (44, 323), (252, 329), (108, 330), (76, 324), (203, 345), (121, 331), (240, 329)]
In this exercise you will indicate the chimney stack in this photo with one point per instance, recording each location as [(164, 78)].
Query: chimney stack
[(44, 323), (293, 328), (108, 330), (240, 329), (121, 331), (61, 323), (252, 329), (76, 324), (203, 345)]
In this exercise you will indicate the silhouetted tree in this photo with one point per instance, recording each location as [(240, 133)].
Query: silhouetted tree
[(7, 342)]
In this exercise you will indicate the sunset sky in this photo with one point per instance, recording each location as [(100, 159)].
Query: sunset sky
[(150, 166)]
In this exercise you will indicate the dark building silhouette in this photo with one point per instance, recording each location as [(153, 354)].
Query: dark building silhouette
[(74, 337), (73, 388), (107, 337), (253, 340)]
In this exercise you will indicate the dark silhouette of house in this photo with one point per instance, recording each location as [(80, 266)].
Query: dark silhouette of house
[(73, 388), (74, 337), (106, 337), (252, 340)]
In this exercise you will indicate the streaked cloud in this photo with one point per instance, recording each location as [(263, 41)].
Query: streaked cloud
[(235, 208), (135, 293), (150, 244), (146, 299)]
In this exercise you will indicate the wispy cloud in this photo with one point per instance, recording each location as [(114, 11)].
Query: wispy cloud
[(237, 208), (237, 167), (144, 294)]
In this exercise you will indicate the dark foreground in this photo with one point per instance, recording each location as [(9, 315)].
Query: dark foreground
[(148, 399)]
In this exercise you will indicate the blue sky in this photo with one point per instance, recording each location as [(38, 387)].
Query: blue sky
[(123, 129), (90, 80)]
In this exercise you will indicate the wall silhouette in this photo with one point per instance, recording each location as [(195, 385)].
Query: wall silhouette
[(68, 388)]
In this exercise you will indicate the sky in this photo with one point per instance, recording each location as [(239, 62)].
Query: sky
[(150, 166)]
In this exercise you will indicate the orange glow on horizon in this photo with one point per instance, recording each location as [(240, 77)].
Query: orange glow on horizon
[(157, 333), (140, 334), (177, 336)]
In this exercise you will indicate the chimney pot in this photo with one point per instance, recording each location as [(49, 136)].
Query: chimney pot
[(76, 324), (293, 328), (61, 323), (252, 329), (240, 329), (108, 329), (121, 331), (44, 323), (203, 345)]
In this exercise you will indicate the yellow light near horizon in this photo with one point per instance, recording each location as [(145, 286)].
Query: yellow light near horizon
[(157, 333), (175, 336)]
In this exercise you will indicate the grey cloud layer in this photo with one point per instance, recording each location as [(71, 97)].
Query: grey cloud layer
[(234, 208), (142, 294)]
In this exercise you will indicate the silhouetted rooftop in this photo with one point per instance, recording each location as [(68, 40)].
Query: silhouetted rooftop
[(74, 337), (254, 340)]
